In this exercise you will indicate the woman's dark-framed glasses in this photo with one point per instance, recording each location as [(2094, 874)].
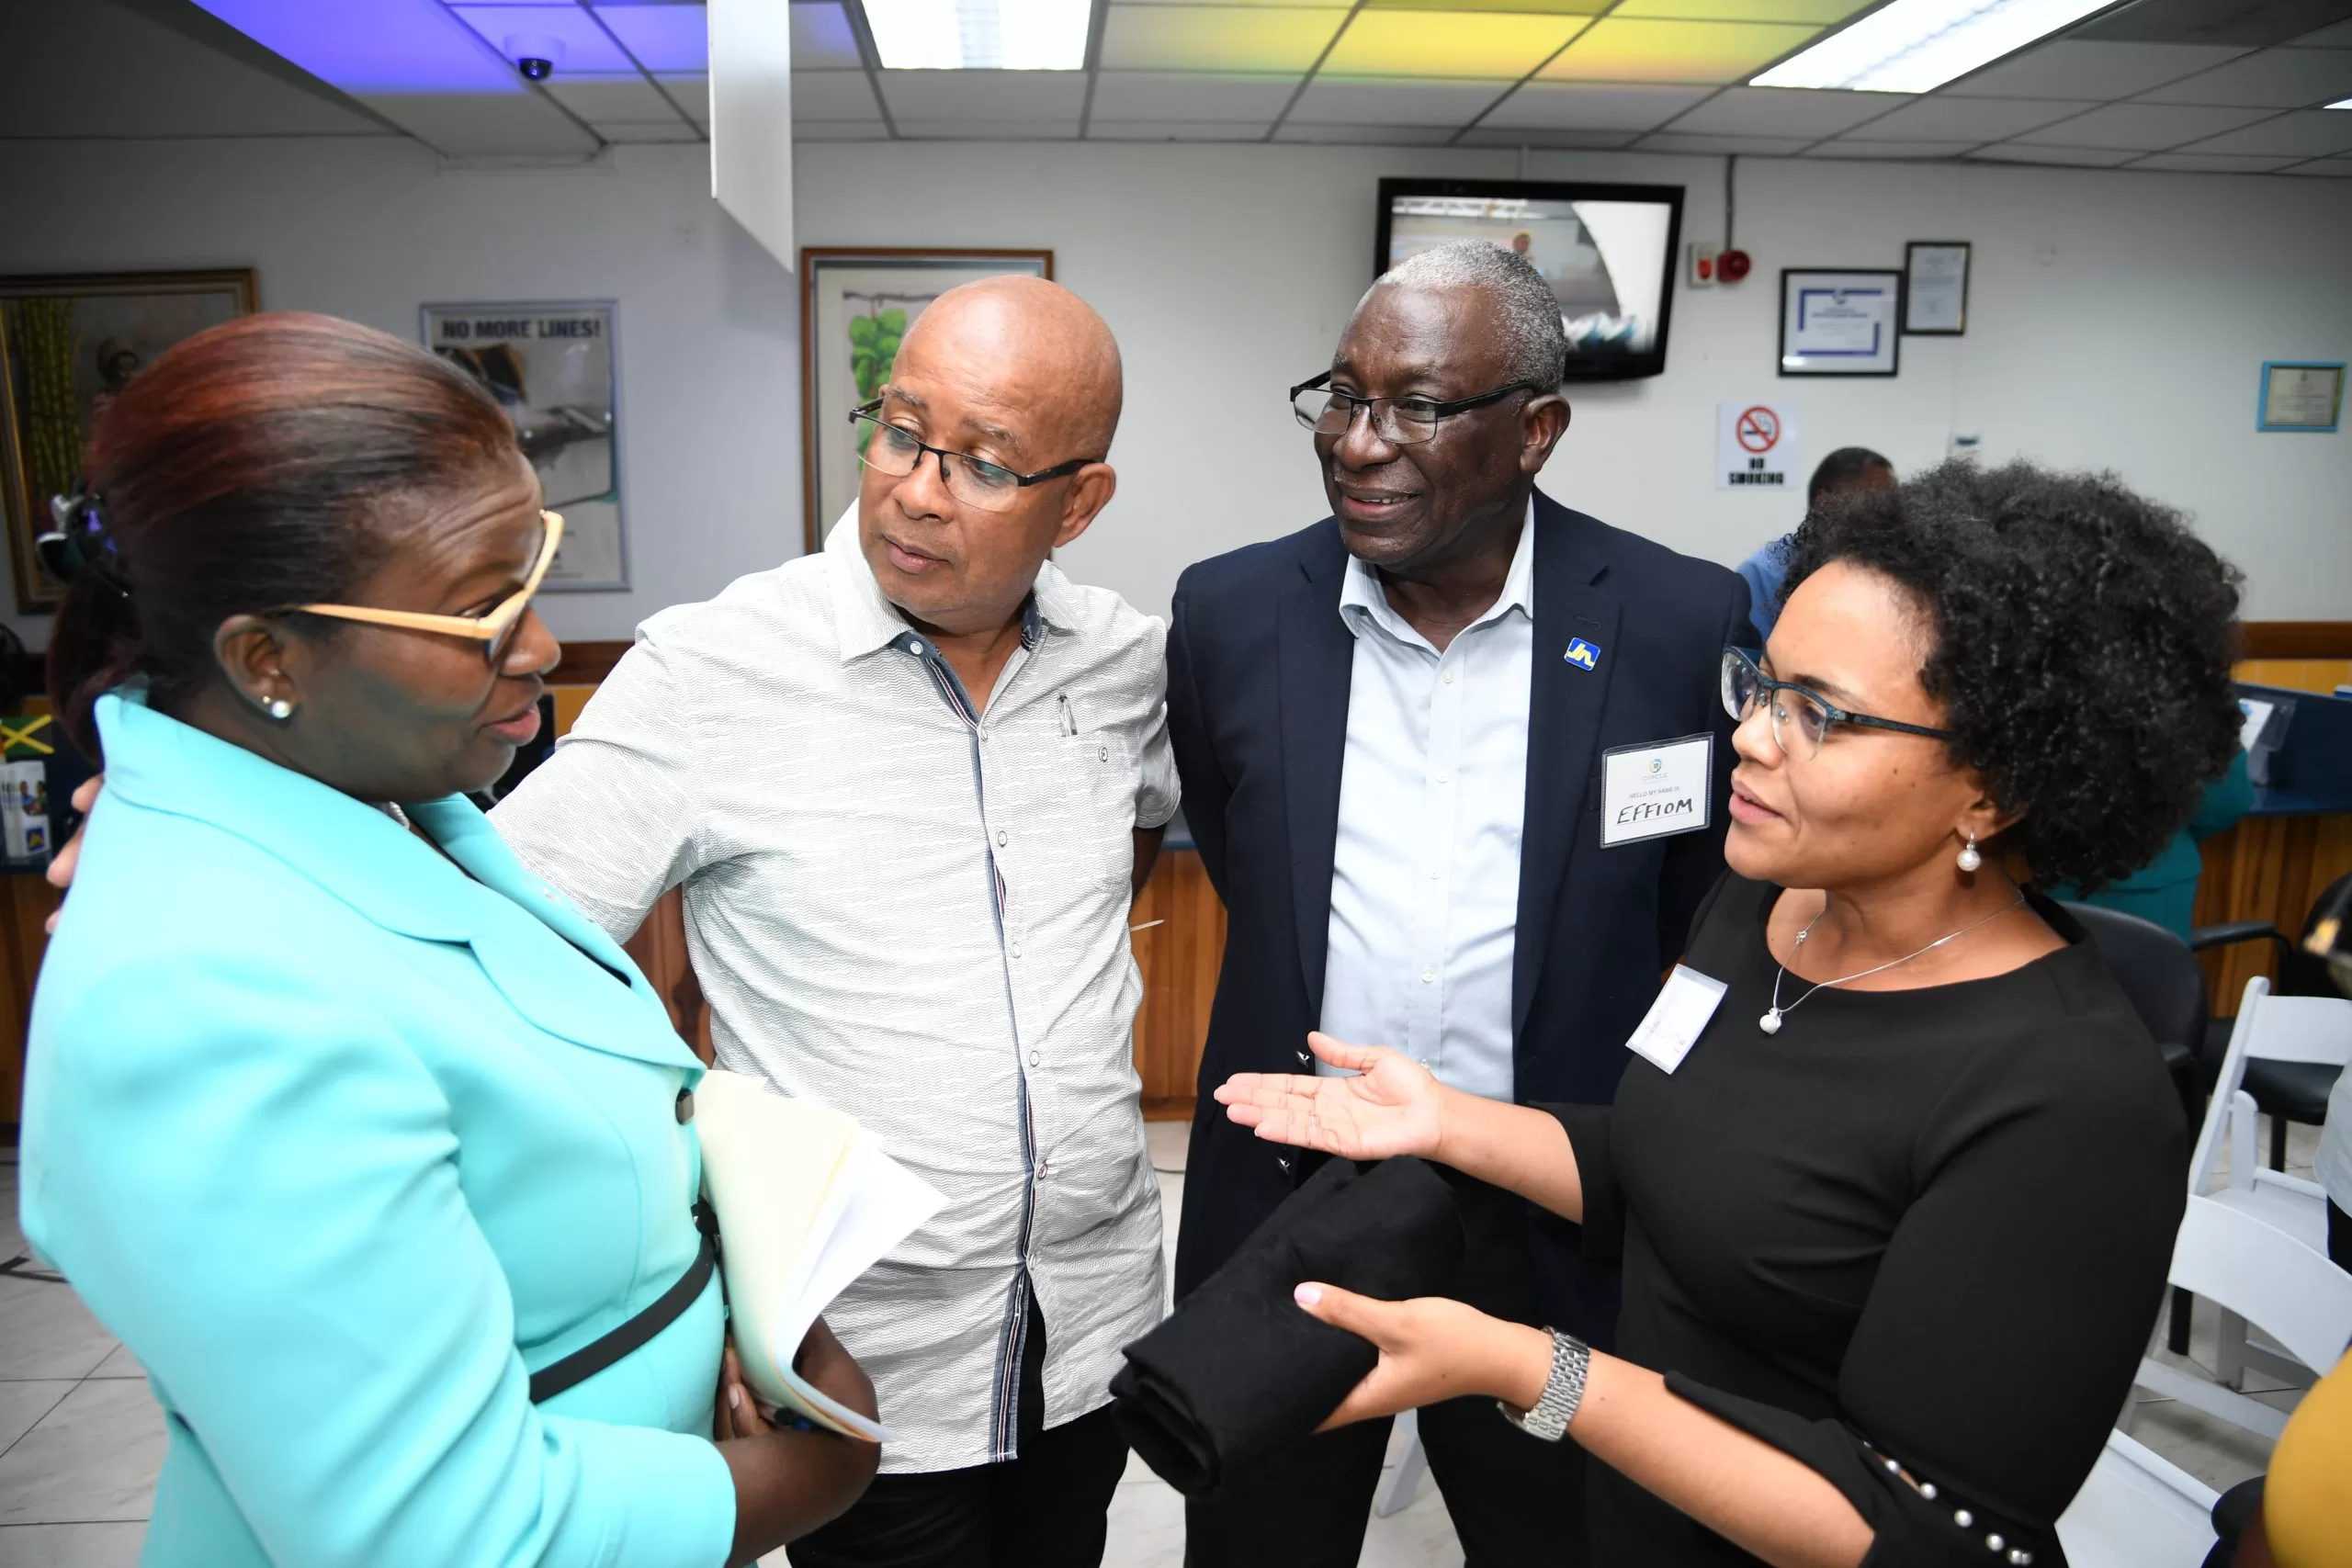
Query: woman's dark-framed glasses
[(975, 481), (1801, 717), (1400, 421)]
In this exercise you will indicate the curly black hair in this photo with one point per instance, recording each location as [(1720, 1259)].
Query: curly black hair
[(2083, 638)]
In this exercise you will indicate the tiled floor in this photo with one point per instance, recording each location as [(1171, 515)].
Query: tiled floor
[(80, 1437)]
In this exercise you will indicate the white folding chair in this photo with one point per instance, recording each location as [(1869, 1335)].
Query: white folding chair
[(2138, 1510), (1395, 1493), (2282, 1028)]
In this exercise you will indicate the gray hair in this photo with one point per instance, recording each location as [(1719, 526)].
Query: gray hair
[(1535, 341)]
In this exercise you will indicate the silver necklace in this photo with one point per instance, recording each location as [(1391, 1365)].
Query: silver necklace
[(1770, 1022)]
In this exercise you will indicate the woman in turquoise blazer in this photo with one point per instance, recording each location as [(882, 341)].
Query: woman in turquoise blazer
[(341, 1120)]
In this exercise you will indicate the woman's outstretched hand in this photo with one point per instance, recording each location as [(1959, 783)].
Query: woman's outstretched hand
[(1393, 1106)]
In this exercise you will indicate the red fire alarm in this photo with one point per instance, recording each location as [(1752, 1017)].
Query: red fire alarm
[(1733, 265)]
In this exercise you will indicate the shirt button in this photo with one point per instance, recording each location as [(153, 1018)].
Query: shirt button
[(1445, 778), (1000, 838), (1035, 1058), (916, 648), (685, 1106), (1428, 976), (1437, 876), (1106, 754), (1016, 950), (1447, 677)]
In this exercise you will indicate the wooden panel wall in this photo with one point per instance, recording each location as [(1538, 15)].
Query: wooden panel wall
[(1180, 958)]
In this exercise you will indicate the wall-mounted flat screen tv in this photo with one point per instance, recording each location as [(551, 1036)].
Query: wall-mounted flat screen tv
[(1607, 252)]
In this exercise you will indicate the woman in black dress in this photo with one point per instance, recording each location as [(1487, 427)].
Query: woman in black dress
[(1894, 1170)]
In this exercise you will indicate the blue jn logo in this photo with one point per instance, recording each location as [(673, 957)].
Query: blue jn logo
[(1583, 655)]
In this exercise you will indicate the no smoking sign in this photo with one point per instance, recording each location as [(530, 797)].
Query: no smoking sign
[(1756, 447)]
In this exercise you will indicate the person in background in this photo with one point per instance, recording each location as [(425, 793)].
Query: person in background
[(1847, 468), (910, 785), (351, 1129), (1896, 1171), (1391, 728), (2164, 890)]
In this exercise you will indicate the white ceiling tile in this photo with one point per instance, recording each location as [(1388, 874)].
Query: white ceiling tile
[(1368, 135), (962, 96), (2080, 157), (1371, 101), (1781, 111), (840, 130), (2144, 128), (1551, 106), (1062, 129), (1938, 119), (484, 125), (1186, 98), (1751, 146), (1862, 147), (676, 131), (2212, 164), (2275, 78), (2336, 37), (822, 39), (691, 94), (2311, 133), (2339, 168), (833, 95), (2077, 69), (1535, 136), (616, 100), (1174, 130)]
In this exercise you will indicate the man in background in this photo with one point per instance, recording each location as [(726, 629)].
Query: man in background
[(910, 785), (1392, 730), (1847, 468)]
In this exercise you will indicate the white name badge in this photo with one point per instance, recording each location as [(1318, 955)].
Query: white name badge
[(1676, 1019), (1651, 790)]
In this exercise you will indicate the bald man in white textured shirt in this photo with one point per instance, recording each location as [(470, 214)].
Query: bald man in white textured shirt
[(910, 785)]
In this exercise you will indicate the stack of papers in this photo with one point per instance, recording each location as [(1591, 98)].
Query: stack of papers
[(807, 1202)]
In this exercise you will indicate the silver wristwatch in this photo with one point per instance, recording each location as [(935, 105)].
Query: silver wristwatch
[(1549, 1416)]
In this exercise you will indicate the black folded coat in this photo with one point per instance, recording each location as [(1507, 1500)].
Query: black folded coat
[(1240, 1372)]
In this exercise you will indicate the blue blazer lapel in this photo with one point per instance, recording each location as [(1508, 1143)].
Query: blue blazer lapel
[(1315, 658), (1564, 712), (515, 911)]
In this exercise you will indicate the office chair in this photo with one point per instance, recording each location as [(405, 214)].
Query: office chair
[(2284, 1091)]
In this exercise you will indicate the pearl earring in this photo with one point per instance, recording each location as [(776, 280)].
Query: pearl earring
[(280, 709), (1969, 859)]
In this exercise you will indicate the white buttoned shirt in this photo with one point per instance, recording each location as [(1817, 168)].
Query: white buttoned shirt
[(1433, 797), (919, 916)]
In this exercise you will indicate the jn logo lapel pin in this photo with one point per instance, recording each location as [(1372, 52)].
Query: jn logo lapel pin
[(1585, 656)]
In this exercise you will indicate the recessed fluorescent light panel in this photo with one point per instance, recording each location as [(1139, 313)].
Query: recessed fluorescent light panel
[(1915, 46), (2347, 104), (979, 34)]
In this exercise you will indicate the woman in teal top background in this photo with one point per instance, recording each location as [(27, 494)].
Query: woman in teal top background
[(342, 1121), (2164, 890)]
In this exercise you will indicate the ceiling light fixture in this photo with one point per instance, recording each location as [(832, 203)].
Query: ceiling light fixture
[(1914, 46), (2345, 103), (979, 34)]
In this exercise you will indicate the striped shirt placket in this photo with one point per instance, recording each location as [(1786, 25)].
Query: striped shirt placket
[(1004, 1410)]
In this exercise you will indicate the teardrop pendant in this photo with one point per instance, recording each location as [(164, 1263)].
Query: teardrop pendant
[(1770, 1022)]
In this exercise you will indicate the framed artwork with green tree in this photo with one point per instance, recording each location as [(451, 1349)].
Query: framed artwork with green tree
[(68, 344), (856, 306)]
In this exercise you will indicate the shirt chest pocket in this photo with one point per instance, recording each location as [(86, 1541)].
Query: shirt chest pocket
[(1081, 813)]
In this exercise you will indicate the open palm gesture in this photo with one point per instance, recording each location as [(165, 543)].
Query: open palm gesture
[(1390, 1107)]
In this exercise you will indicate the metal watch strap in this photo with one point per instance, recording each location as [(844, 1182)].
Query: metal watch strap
[(1549, 1416)]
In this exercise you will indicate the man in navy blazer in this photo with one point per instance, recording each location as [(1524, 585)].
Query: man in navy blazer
[(1391, 730)]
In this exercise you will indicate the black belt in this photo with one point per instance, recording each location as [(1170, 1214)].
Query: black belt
[(667, 1308)]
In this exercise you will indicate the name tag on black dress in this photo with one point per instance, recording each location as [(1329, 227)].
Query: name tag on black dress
[(1677, 1018)]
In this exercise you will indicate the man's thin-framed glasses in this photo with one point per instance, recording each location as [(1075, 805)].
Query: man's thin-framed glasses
[(495, 631), (975, 481), (1400, 421), (1802, 718)]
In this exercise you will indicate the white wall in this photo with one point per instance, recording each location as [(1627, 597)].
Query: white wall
[(2116, 320)]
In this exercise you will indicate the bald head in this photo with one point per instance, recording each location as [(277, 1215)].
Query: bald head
[(1030, 347)]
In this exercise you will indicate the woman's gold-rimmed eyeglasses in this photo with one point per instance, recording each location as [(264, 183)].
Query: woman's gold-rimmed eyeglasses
[(495, 631)]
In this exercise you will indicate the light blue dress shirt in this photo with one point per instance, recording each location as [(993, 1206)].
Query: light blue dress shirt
[(1433, 797), (343, 1142)]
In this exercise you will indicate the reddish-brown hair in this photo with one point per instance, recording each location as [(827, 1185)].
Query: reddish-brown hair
[(247, 469)]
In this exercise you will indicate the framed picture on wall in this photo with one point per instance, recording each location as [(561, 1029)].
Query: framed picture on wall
[(1935, 288), (855, 308), (68, 342), (1839, 324), (2300, 395), (554, 367)]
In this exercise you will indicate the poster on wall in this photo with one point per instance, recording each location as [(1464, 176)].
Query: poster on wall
[(2300, 396), (855, 308), (1756, 447), (68, 342), (1839, 324), (553, 368)]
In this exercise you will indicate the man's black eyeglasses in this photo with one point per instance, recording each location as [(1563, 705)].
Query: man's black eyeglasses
[(1400, 421), (975, 481)]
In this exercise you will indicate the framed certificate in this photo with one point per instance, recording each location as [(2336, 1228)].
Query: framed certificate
[(2306, 396), (1935, 288), (1839, 324)]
